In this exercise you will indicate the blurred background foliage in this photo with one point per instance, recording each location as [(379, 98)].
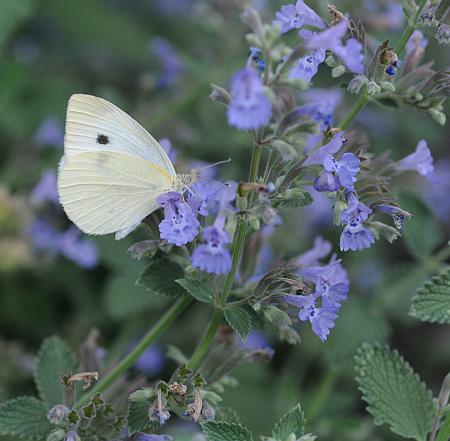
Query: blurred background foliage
[(156, 60)]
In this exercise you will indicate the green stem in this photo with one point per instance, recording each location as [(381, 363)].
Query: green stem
[(199, 353), (322, 394), (152, 335), (410, 29), (357, 107), (238, 248), (254, 165)]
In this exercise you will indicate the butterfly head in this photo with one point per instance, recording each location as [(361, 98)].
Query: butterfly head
[(187, 179)]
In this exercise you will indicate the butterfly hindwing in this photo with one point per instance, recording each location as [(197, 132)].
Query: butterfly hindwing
[(104, 192)]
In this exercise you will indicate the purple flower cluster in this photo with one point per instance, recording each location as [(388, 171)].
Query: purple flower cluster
[(152, 361), (355, 235), (331, 287), (213, 255), (318, 157), (46, 190), (338, 173), (45, 237), (50, 133), (420, 161), (250, 108), (67, 243), (296, 16), (306, 67), (172, 66), (180, 224), (350, 53)]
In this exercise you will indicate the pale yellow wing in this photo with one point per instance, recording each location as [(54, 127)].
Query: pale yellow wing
[(96, 125), (109, 192)]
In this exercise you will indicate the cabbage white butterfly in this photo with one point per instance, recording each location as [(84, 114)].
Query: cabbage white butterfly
[(112, 170)]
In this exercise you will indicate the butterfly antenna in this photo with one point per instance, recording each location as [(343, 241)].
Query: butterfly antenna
[(225, 161)]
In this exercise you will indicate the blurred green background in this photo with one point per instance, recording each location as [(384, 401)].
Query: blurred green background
[(156, 59)]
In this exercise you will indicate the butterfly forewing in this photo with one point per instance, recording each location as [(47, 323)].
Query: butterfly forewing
[(94, 124)]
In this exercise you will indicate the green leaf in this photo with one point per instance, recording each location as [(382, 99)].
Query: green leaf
[(432, 301), (197, 289), (224, 431), (159, 277), (138, 419), (25, 417), (291, 423), (54, 360), (240, 320), (444, 432), (13, 14), (421, 232), (293, 197), (394, 393)]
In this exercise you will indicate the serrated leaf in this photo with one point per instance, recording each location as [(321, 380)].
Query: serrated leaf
[(197, 289), (54, 360), (25, 417), (444, 432), (291, 423), (138, 419), (394, 393), (293, 197), (421, 233), (239, 320), (432, 301), (159, 277), (224, 431)]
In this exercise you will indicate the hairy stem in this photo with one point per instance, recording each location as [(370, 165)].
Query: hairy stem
[(410, 29), (152, 335)]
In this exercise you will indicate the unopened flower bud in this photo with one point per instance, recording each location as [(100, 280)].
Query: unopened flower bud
[(254, 223), (387, 85), (220, 94), (330, 61), (438, 116), (177, 388), (426, 17), (443, 34), (357, 83), (57, 413), (291, 437), (338, 71), (373, 88), (326, 182)]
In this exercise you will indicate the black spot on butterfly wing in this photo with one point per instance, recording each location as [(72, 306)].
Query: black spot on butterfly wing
[(102, 139)]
